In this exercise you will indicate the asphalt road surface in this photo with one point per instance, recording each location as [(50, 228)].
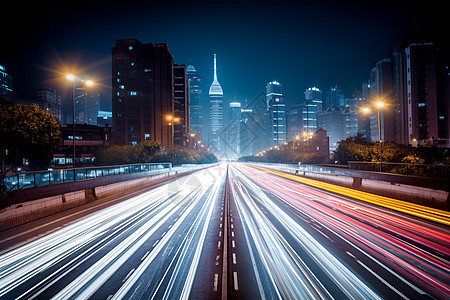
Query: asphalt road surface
[(232, 231)]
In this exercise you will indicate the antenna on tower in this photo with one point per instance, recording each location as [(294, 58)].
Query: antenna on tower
[(215, 68)]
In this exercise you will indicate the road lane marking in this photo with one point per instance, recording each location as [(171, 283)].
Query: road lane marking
[(218, 245), (128, 275), (233, 244), (235, 279), (216, 281), (381, 279), (234, 258), (145, 255), (155, 243)]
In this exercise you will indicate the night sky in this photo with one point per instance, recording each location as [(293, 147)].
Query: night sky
[(298, 44)]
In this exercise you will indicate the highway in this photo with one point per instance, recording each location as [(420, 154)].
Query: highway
[(146, 247), (235, 231), (308, 243)]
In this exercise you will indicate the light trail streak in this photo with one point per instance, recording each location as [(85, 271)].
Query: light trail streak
[(290, 274), (400, 244), (110, 238), (432, 214)]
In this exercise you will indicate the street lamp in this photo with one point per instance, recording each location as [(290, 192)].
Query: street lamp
[(379, 106), (73, 78)]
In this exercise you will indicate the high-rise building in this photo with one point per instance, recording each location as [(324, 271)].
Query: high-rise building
[(233, 132), (424, 88), (412, 82), (6, 83), (380, 87), (294, 121), (196, 107), (50, 101), (333, 98), (180, 104), (87, 105), (142, 92), (313, 103), (340, 123), (215, 113), (277, 112)]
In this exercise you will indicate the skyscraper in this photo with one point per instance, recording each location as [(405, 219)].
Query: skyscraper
[(195, 91), (424, 88), (333, 98), (232, 132), (180, 104), (142, 92), (50, 101), (215, 113), (313, 102), (412, 82), (277, 112), (87, 105), (6, 83)]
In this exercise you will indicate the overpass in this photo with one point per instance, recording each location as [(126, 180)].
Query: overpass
[(33, 195)]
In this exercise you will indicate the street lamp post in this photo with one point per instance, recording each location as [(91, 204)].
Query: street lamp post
[(379, 106), (72, 78)]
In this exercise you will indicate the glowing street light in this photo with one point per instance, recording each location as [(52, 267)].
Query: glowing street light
[(171, 120), (70, 77), (379, 105), (73, 78)]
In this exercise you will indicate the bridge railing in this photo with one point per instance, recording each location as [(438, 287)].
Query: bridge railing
[(15, 181)]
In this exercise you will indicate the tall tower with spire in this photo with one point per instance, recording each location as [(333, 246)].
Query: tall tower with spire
[(215, 113)]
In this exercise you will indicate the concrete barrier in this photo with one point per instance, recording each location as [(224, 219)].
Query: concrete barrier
[(420, 195), (22, 213), (17, 214), (388, 185)]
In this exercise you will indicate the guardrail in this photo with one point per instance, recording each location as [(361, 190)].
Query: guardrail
[(433, 183), (433, 171), (16, 181)]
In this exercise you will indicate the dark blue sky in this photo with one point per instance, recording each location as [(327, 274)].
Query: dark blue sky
[(299, 44)]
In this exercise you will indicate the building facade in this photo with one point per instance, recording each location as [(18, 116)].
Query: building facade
[(50, 101), (196, 102), (294, 121), (426, 94), (312, 104), (333, 98), (142, 92), (339, 123), (276, 108), (6, 83), (216, 114), (87, 105), (88, 140), (414, 85), (233, 132), (181, 101)]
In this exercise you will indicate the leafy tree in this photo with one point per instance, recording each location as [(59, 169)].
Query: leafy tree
[(145, 151), (115, 155), (26, 131), (353, 148), (150, 151)]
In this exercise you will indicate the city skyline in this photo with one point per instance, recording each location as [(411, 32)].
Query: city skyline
[(345, 41)]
